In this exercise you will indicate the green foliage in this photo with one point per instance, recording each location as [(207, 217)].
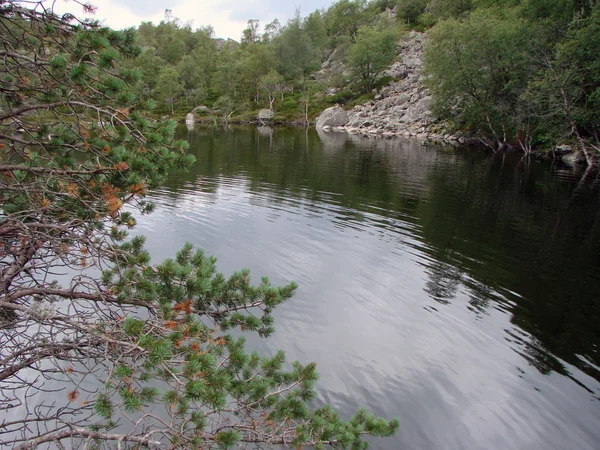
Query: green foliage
[(272, 83), (580, 52), (344, 18), (251, 35), (519, 71), (373, 51), (296, 54), (103, 406), (445, 9), (224, 105), (227, 439), (316, 29), (477, 69), (295, 50), (133, 327), (170, 42), (565, 95), (410, 10), (486, 62), (168, 87)]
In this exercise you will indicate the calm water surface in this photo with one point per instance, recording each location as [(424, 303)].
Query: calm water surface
[(455, 290)]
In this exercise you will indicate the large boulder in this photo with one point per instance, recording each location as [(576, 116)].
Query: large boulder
[(332, 117), (265, 114), (190, 118)]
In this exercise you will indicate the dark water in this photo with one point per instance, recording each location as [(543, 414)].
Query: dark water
[(455, 290)]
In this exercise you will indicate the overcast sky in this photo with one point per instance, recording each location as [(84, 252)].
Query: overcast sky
[(228, 17)]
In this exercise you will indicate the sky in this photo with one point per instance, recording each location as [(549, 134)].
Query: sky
[(228, 17)]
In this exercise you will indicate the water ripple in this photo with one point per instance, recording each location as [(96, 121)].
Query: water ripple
[(429, 280)]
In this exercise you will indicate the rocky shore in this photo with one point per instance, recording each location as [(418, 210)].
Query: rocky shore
[(399, 109)]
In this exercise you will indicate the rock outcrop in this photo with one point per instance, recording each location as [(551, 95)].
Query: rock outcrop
[(403, 107), (333, 117)]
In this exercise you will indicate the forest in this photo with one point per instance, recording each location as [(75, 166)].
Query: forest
[(521, 73)]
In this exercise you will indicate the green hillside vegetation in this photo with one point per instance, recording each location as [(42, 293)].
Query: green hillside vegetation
[(520, 73), (272, 66)]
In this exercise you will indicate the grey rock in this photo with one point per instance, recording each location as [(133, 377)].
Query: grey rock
[(416, 36), (332, 117), (412, 61), (397, 112), (387, 91), (265, 114), (398, 70), (320, 75), (400, 109), (331, 59), (355, 122), (421, 108), (201, 109), (401, 99), (190, 119)]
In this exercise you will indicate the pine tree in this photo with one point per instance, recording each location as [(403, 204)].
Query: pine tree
[(141, 354)]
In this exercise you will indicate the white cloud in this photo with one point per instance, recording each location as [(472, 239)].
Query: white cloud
[(227, 17)]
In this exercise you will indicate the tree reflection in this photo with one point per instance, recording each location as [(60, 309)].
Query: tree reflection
[(443, 283), (509, 232)]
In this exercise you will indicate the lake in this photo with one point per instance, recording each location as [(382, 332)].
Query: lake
[(457, 290)]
